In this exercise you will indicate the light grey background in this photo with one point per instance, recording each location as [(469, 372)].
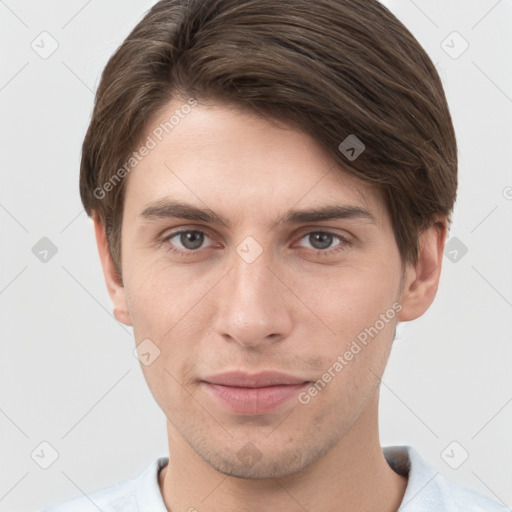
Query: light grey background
[(68, 376)]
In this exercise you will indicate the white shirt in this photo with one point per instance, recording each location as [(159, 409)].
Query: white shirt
[(427, 490)]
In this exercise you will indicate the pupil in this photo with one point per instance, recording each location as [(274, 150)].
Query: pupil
[(191, 239), (324, 239)]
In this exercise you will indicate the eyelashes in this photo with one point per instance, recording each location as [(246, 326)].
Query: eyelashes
[(201, 236)]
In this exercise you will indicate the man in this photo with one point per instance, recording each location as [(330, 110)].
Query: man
[(271, 186)]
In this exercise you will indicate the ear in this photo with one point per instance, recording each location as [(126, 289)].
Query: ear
[(114, 283), (422, 280)]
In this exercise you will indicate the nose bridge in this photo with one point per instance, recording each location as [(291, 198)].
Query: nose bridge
[(251, 276)]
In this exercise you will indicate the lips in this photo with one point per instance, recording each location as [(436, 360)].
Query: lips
[(258, 380), (260, 393)]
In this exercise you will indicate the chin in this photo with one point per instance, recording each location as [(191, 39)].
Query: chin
[(250, 463)]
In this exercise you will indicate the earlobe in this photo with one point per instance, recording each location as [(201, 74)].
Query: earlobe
[(422, 280), (114, 284)]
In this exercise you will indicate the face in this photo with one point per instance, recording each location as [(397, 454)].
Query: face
[(258, 282)]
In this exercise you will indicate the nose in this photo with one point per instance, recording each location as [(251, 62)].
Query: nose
[(253, 303)]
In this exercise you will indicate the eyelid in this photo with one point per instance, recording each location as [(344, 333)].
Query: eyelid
[(170, 232), (168, 235), (344, 239), (342, 234)]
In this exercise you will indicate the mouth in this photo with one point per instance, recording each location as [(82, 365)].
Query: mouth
[(260, 393)]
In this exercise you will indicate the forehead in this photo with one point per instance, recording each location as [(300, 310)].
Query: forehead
[(221, 157)]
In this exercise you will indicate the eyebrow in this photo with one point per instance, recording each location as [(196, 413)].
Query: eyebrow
[(167, 209)]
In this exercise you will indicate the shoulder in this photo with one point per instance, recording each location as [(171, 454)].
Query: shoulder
[(427, 490), (456, 496), (110, 499), (125, 496)]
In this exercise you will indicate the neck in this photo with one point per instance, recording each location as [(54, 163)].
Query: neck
[(352, 476)]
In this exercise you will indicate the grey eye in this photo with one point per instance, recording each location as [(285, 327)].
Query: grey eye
[(189, 240), (321, 239)]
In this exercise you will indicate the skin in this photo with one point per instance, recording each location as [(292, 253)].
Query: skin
[(293, 309)]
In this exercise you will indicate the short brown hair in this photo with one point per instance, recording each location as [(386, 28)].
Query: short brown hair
[(332, 68)]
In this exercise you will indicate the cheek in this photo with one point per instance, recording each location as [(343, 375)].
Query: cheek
[(353, 327), (345, 301), (169, 310), (173, 309), (158, 295)]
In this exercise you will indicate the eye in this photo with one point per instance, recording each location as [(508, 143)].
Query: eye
[(189, 240), (322, 241)]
